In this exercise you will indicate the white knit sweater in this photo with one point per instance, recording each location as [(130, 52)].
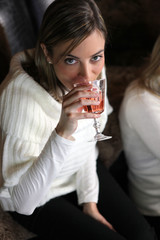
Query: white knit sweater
[(37, 164)]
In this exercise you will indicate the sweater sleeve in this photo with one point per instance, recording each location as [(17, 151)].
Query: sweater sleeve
[(36, 181), (87, 181)]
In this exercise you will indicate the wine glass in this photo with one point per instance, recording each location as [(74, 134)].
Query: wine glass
[(98, 86)]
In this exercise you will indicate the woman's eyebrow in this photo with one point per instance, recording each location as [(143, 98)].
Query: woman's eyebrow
[(102, 50), (70, 55)]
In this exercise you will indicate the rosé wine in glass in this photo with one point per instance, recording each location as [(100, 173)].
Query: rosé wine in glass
[(95, 108)]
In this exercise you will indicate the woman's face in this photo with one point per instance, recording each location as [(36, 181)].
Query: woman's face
[(84, 63)]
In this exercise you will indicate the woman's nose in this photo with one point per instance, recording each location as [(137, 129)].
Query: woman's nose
[(85, 72)]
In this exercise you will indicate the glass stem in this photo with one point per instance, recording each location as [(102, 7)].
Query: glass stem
[(97, 126)]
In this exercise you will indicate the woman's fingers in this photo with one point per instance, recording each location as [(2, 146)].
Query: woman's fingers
[(74, 107), (79, 89), (105, 222), (78, 116), (81, 97), (74, 111)]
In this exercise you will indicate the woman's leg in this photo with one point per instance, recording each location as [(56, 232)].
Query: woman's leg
[(118, 209), (155, 223), (61, 218)]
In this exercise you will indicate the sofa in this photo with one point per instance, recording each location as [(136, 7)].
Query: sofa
[(133, 26)]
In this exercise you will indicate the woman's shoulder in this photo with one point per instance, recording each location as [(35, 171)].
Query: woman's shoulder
[(137, 95), (20, 88), (138, 102)]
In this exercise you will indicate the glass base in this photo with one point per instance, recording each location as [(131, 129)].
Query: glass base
[(100, 137)]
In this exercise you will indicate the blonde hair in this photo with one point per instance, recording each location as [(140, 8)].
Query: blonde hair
[(64, 20), (150, 76)]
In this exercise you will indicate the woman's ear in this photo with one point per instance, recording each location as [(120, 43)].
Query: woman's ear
[(45, 52)]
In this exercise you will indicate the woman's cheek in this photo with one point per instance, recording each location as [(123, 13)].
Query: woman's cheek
[(98, 69)]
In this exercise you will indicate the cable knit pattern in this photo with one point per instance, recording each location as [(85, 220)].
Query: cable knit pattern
[(38, 164)]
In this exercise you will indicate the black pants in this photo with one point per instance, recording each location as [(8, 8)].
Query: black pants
[(155, 223), (61, 218)]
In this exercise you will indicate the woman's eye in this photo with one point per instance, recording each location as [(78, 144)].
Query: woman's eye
[(96, 58), (70, 61)]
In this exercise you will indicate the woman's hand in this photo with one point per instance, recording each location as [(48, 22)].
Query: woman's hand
[(72, 106), (92, 210)]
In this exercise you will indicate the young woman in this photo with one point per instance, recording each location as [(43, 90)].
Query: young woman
[(140, 128), (50, 180)]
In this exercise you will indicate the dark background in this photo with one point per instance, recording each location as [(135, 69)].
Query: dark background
[(133, 26)]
